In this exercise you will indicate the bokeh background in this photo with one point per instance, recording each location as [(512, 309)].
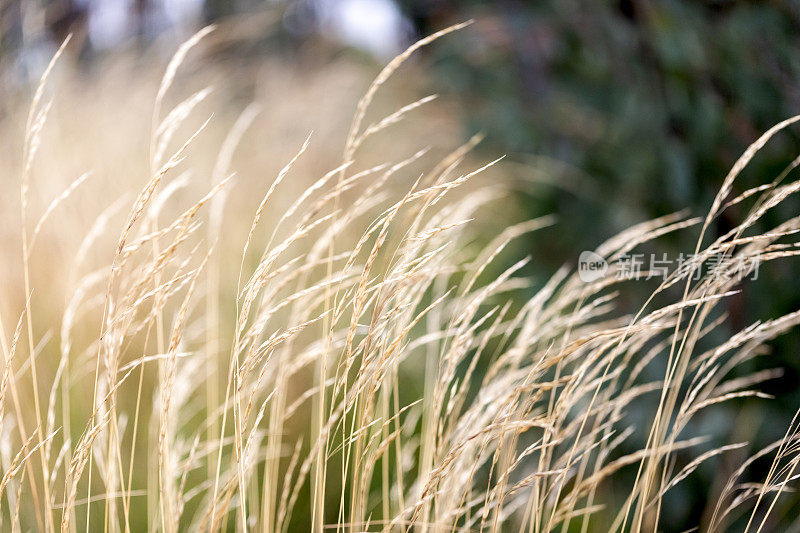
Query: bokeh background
[(610, 113)]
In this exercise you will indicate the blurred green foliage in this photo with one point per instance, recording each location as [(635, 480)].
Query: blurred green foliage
[(644, 106)]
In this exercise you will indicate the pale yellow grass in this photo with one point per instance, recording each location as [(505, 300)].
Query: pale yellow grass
[(349, 358)]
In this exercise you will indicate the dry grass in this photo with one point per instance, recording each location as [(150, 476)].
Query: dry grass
[(349, 360)]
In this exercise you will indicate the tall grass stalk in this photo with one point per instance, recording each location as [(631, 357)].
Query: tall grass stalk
[(362, 364)]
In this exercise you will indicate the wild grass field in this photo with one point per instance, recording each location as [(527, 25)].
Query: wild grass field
[(204, 327)]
